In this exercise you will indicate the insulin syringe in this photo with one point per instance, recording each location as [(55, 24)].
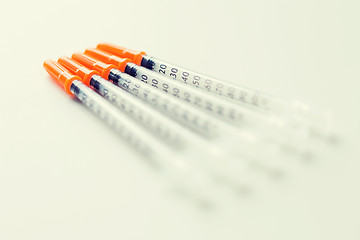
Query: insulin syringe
[(156, 123), (243, 95), (238, 115), (219, 108), (178, 167), (319, 124), (237, 140), (207, 154)]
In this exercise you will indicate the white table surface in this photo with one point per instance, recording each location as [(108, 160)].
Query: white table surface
[(65, 175)]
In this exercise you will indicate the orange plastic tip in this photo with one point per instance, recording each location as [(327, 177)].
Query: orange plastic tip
[(63, 76), (108, 58), (78, 69), (135, 56), (102, 68)]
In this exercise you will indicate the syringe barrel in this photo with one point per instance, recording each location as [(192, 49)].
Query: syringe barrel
[(237, 94), (182, 112), (116, 120), (149, 118), (219, 108)]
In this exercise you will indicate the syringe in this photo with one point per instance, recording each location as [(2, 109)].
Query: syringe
[(151, 120), (319, 125), (177, 137), (239, 94), (127, 129), (185, 173), (245, 117), (182, 112), (223, 133), (220, 108)]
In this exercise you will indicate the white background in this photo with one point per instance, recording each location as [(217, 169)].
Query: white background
[(65, 175)]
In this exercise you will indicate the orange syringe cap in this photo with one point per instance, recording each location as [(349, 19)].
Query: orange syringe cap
[(78, 69), (135, 56), (107, 57), (61, 74), (103, 68)]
